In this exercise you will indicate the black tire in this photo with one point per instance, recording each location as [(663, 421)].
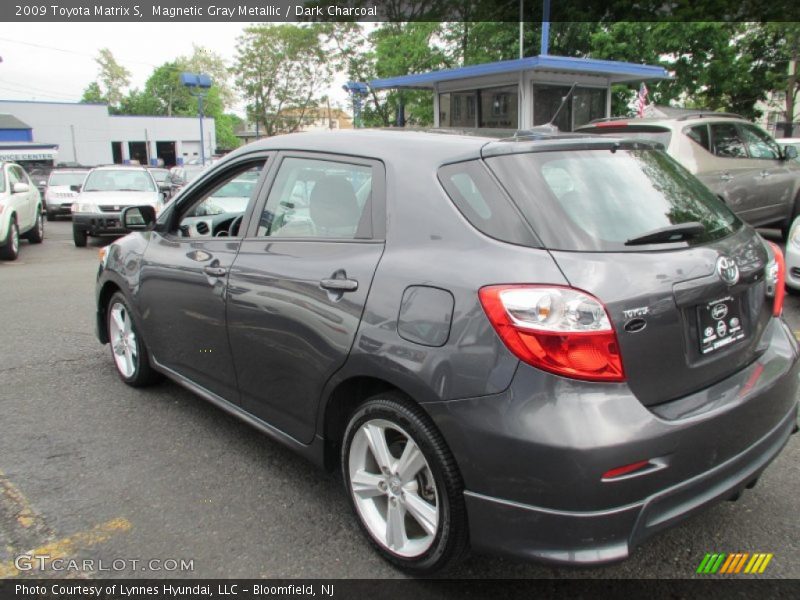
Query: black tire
[(36, 235), (143, 373), (451, 540), (79, 236), (10, 250)]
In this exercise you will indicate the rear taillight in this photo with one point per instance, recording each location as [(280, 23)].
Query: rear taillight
[(776, 278), (557, 329)]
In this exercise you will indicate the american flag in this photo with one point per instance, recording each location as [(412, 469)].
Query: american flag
[(641, 100)]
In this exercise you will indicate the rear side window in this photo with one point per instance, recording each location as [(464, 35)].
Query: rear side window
[(726, 141), (2, 179), (484, 204), (596, 200), (699, 134)]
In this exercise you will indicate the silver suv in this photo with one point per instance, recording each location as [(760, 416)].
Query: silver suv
[(736, 160)]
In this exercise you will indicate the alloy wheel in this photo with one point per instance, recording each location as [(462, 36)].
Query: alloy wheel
[(393, 488), (123, 340)]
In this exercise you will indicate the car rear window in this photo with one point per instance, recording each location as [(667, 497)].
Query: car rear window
[(596, 200), (660, 135), (484, 204)]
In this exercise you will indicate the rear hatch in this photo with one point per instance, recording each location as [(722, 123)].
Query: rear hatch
[(689, 304)]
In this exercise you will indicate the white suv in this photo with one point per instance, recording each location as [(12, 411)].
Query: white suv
[(20, 210)]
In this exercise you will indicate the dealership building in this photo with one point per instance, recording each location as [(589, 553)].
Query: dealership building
[(87, 134)]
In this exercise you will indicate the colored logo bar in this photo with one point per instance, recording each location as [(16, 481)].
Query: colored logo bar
[(734, 563)]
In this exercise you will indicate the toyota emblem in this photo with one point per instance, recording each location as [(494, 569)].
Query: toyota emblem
[(727, 270)]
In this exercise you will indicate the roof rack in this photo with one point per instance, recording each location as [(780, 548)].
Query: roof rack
[(708, 113), (608, 119)]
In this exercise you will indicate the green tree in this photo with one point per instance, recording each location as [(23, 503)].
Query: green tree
[(784, 40), (93, 94), (281, 70), (714, 65), (113, 78), (390, 50)]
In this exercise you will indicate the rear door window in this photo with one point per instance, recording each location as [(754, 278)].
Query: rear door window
[(726, 141), (596, 200), (318, 199)]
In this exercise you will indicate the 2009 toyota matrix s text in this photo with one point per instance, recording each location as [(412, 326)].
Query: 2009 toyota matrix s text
[(544, 347)]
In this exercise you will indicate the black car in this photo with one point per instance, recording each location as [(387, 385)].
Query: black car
[(549, 347)]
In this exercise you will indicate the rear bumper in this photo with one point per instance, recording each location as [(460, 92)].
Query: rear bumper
[(590, 538), (98, 224), (533, 457)]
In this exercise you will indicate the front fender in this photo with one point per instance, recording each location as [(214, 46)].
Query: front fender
[(120, 271)]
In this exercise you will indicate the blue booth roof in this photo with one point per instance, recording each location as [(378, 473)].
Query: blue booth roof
[(617, 72)]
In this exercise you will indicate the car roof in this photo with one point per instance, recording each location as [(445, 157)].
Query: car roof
[(120, 168), (382, 144), (699, 117)]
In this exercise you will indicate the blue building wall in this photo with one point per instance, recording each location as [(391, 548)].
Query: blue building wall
[(16, 135)]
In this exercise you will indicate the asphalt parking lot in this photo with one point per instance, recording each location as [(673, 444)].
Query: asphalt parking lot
[(93, 470)]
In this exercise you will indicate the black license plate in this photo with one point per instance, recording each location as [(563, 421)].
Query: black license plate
[(719, 324)]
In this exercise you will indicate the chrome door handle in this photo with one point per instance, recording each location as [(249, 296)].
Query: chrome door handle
[(726, 177), (339, 285), (215, 271), (765, 174)]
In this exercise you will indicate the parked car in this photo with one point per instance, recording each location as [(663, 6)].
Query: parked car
[(105, 192), (20, 210), (739, 162), (787, 142), (551, 348), (162, 179), (59, 193), (180, 176), (38, 176)]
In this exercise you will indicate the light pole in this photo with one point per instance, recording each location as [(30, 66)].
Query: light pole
[(356, 89), (198, 85)]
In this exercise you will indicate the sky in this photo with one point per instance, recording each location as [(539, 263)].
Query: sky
[(55, 61)]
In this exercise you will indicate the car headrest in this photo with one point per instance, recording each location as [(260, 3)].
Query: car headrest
[(333, 204)]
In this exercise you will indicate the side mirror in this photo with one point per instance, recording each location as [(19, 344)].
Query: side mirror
[(21, 188), (137, 218), (76, 188), (790, 152)]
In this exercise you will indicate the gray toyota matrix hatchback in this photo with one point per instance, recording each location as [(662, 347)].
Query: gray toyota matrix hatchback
[(545, 347)]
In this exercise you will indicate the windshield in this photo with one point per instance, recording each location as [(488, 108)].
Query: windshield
[(67, 178), (119, 180), (596, 200), (160, 175)]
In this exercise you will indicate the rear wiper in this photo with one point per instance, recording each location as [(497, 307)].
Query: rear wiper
[(673, 233)]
